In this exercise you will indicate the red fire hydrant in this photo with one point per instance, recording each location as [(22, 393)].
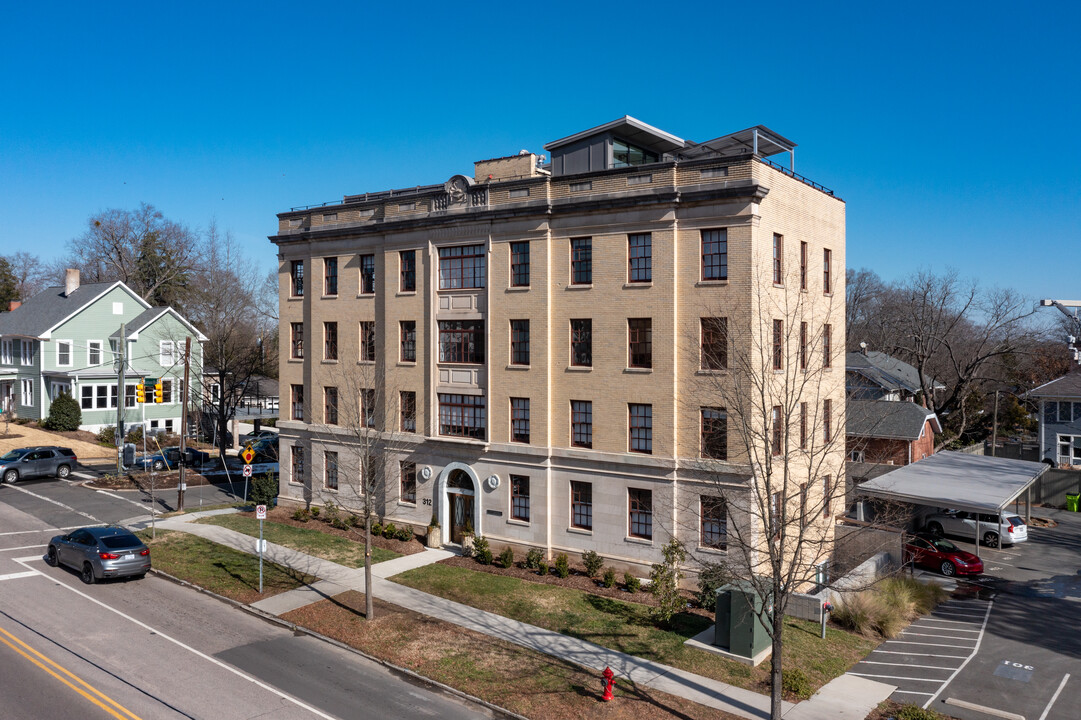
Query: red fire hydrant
[(609, 680)]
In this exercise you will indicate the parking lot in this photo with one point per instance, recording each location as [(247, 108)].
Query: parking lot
[(1006, 643)]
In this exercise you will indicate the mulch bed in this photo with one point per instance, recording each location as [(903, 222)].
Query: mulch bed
[(141, 481), (577, 580), (284, 516)]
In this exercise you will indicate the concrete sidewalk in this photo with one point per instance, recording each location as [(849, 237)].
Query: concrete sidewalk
[(846, 697)]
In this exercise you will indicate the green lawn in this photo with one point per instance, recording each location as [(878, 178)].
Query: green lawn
[(627, 627), (312, 541), (218, 568)]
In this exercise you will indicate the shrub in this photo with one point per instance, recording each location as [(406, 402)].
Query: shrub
[(389, 531), (434, 523), (712, 578), (562, 565), (355, 520), (795, 682), (542, 568), (632, 583), (64, 414), (339, 523), (134, 436), (405, 533), (506, 558), (664, 582), (609, 578), (534, 558), (593, 563), (481, 550), (915, 712), (315, 511), (264, 488), (377, 528), (301, 515), (107, 435)]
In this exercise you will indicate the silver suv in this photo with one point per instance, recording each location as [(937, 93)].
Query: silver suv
[(43, 461), (995, 530)]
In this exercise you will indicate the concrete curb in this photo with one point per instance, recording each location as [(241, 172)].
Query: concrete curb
[(411, 675)]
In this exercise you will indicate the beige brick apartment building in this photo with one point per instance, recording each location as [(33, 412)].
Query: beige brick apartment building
[(544, 351)]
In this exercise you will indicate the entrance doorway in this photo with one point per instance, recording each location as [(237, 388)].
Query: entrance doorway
[(460, 496)]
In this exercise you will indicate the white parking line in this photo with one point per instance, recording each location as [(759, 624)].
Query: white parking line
[(976, 649), (24, 547), (1055, 696), (913, 642), (909, 692), (43, 530), (15, 576), (929, 667), (953, 622), (133, 502), (54, 502), (896, 677), (899, 652), (951, 637), (258, 683), (85, 476)]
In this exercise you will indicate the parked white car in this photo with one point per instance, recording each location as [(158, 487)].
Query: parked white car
[(995, 530)]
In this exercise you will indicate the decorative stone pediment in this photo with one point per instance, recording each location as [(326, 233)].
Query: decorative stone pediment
[(459, 193)]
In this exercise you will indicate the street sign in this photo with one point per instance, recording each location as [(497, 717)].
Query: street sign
[(260, 512), (248, 455), (247, 471)]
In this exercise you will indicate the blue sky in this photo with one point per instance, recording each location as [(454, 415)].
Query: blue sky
[(948, 128)]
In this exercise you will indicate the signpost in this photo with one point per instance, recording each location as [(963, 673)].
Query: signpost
[(248, 455), (260, 514)]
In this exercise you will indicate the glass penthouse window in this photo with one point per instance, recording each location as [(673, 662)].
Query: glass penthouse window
[(461, 267), (626, 155)]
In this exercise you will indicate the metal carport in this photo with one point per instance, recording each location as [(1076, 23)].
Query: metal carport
[(974, 483)]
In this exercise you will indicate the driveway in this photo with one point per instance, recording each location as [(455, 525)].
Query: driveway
[(20, 436), (1006, 644)]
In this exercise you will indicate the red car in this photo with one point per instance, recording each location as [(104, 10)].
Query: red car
[(928, 551)]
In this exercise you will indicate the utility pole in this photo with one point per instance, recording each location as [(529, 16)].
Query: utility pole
[(994, 427), (120, 398), (184, 426)]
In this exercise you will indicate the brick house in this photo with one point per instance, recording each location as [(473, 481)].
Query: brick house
[(536, 337)]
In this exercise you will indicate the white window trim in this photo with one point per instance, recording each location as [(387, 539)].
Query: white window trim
[(6, 357), (1069, 458), (101, 352), (26, 396), (26, 358), (166, 360), (71, 353)]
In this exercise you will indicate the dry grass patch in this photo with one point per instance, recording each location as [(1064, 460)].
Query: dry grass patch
[(885, 610), (218, 568), (523, 681)]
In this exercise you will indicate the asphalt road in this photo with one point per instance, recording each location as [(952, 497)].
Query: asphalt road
[(159, 650)]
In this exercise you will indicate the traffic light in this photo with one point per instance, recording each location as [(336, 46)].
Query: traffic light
[(158, 393), (140, 393)]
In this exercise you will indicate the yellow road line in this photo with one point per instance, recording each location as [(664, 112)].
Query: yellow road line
[(44, 663)]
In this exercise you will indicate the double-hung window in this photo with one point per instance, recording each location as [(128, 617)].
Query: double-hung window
[(408, 261), (167, 353), (778, 259), (714, 433), (26, 352), (641, 428), (330, 276), (803, 266), (827, 346), (27, 394), (778, 344), (582, 342), (296, 275), (297, 476), (296, 340), (778, 429), (408, 402), (582, 261), (519, 264), (582, 505), (640, 258), (297, 402), (519, 419), (519, 497), (367, 341), (330, 470), (6, 356), (827, 271), (640, 342), (93, 352), (409, 340), (408, 479), (519, 342), (63, 353), (582, 423), (367, 407), (714, 343), (367, 274), (640, 506), (330, 405), (714, 522), (715, 254), (330, 341)]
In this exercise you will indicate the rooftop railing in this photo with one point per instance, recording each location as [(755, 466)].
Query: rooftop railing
[(797, 176)]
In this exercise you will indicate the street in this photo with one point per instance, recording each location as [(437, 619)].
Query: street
[(153, 649)]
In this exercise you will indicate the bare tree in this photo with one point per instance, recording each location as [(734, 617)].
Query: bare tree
[(863, 293), (358, 416), (770, 396), (156, 257), (30, 274), (223, 305)]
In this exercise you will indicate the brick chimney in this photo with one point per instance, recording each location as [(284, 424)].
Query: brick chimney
[(14, 305), (71, 281)]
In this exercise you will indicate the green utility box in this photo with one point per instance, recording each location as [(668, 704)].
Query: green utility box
[(1072, 501), (738, 628)]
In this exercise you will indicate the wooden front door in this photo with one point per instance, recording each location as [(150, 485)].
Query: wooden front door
[(461, 514)]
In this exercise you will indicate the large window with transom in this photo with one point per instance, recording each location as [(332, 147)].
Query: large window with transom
[(461, 341), (461, 415), (461, 267)]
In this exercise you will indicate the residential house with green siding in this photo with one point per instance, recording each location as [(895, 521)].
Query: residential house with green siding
[(67, 339)]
